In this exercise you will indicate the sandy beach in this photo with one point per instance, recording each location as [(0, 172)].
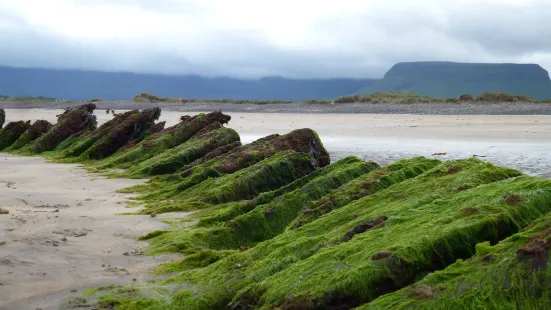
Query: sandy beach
[(63, 233)]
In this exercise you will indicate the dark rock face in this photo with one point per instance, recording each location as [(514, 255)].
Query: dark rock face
[(157, 127), (304, 141), (12, 132), (301, 141), (451, 79), (132, 128), (38, 128), (2, 118), (34, 132), (185, 129), (71, 122)]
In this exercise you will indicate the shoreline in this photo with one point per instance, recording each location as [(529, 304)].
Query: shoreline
[(515, 141), (63, 233), (517, 108)]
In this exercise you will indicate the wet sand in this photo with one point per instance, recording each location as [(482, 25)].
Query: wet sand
[(62, 233), (517, 141)]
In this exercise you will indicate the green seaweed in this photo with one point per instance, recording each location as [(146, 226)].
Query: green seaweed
[(267, 220), (267, 175), (512, 274), (164, 140), (12, 132), (314, 267), (175, 158)]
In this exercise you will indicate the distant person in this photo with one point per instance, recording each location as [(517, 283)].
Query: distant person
[(107, 111), (113, 111)]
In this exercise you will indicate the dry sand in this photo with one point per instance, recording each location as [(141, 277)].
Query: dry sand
[(38, 266), (62, 233)]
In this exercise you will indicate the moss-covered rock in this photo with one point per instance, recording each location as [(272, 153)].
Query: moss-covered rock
[(244, 225), (165, 139), (34, 132), (512, 274), (71, 123), (12, 132), (132, 128), (315, 266), (365, 185), (2, 118), (205, 187), (172, 160)]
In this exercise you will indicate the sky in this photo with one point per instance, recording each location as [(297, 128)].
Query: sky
[(253, 38)]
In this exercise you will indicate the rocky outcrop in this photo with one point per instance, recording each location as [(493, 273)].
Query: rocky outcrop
[(2, 118), (12, 132), (301, 141), (451, 79), (168, 138), (132, 128), (72, 122), (34, 132)]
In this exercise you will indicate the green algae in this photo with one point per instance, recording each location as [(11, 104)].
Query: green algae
[(164, 140), (363, 186), (12, 132), (267, 175), (512, 274), (32, 133), (312, 267), (175, 158), (265, 221)]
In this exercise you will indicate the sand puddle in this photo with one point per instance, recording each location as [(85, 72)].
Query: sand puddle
[(62, 233)]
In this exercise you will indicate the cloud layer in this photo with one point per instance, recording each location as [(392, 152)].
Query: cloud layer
[(248, 38)]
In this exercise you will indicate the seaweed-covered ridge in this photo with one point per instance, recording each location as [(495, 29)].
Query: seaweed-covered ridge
[(277, 225)]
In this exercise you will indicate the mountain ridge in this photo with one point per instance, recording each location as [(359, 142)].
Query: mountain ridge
[(452, 79), (85, 84)]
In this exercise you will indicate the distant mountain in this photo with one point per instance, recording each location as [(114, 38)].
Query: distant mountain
[(452, 79), (75, 84)]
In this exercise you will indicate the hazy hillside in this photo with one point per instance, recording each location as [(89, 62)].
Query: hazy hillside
[(450, 79), (73, 84)]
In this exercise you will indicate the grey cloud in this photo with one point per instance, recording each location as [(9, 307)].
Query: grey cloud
[(363, 45), (505, 31)]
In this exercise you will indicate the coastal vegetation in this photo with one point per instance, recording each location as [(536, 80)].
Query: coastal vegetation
[(377, 97), (277, 225)]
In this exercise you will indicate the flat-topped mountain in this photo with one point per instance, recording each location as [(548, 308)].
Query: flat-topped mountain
[(452, 79)]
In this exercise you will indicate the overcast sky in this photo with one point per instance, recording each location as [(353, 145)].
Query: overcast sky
[(252, 38)]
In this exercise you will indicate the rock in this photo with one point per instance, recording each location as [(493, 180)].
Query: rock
[(363, 227), (381, 255), (34, 132), (72, 122), (132, 128), (157, 127), (4, 211), (301, 141), (12, 132), (168, 138)]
